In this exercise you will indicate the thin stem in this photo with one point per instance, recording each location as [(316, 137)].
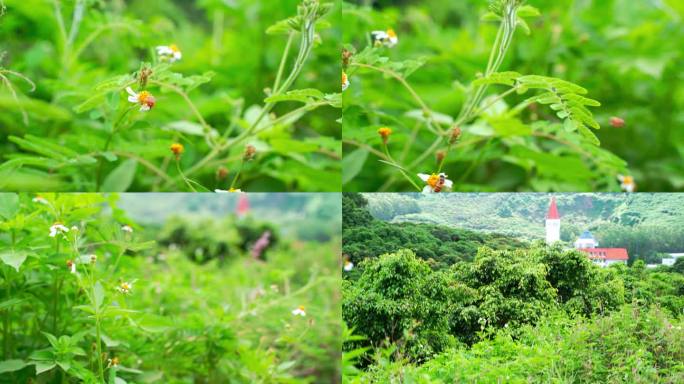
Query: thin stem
[(283, 61), (187, 181), (235, 178)]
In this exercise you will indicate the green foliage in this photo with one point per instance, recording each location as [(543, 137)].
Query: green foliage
[(635, 345), (245, 80), (107, 300), (441, 246), (520, 100), (398, 299)]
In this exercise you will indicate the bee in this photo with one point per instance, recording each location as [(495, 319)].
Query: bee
[(440, 183)]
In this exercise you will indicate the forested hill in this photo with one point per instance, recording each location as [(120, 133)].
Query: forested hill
[(523, 214), (367, 237)]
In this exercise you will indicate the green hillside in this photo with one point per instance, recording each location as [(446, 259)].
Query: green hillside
[(647, 224)]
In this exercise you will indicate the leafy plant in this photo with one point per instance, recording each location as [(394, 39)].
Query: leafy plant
[(503, 130), (135, 118)]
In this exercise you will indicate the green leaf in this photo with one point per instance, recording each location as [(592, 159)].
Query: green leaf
[(121, 178), (12, 365), (44, 366), (9, 205), (352, 164), (13, 258), (98, 295), (142, 246), (302, 95)]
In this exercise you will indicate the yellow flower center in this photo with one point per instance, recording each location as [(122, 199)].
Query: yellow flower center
[(385, 132), (344, 78), (628, 180), (301, 308), (433, 180), (391, 34), (174, 48), (125, 286), (143, 97), (177, 148)]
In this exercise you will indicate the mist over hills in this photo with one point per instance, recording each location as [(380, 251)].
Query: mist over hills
[(522, 215)]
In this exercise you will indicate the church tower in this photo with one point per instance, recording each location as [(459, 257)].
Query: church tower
[(552, 223)]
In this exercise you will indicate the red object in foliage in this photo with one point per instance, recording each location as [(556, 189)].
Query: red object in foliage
[(617, 122), (553, 210), (242, 205)]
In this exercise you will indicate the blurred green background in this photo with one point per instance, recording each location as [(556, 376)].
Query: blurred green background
[(225, 38), (626, 53)]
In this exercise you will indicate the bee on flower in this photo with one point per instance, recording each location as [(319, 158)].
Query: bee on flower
[(58, 228), (348, 265), (127, 228), (144, 98), (436, 182), (386, 38), (627, 183), (169, 53), (125, 287), (299, 311), (40, 200), (345, 81), (231, 190)]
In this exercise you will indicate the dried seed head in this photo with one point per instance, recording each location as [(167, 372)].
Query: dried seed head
[(617, 122), (250, 152), (440, 155), (346, 57), (221, 173), (455, 134)]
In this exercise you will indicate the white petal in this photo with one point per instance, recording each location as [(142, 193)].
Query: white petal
[(220, 191), (448, 183), (177, 55), (131, 92), (144, 108), (424, 176), (427, 189)]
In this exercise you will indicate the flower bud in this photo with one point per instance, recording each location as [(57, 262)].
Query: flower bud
[(455, 134)]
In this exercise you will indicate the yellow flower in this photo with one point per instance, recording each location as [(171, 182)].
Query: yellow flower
[(177, 149), (345, 81), (125, 287), (385, 132)]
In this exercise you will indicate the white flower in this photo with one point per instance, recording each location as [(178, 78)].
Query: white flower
[(125, 287), (387, 38), (627, 183), (74, 228), (227, 190), (436, 183), (348, 265), (144, 98), (40, 200), (345, 81), (169, 52), (127, 228), (299, 311), (72, 266), (58, 228)]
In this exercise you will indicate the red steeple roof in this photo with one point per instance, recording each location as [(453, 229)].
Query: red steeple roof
[(553, 210)]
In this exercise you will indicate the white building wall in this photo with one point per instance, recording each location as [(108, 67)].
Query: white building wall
[(552, 231)]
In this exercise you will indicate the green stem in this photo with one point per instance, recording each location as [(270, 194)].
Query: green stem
[(235, 178)]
